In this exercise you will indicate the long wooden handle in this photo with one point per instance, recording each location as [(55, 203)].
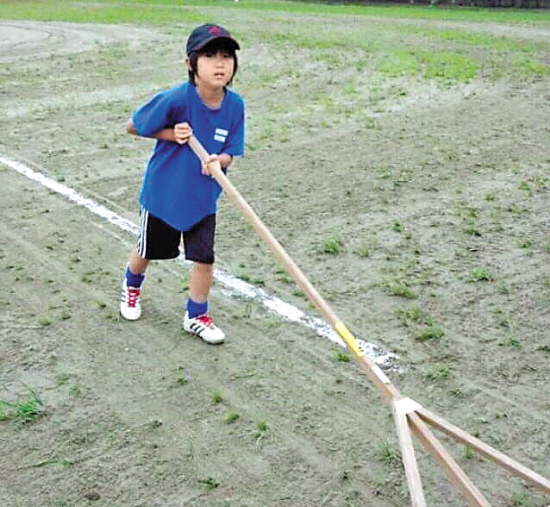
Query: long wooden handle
[(264, 233), (407, 415), (372, 370)]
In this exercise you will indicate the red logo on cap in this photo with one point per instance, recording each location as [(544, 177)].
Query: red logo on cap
[(214, 30)]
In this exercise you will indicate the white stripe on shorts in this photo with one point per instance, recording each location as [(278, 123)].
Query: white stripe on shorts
[(142, 238)]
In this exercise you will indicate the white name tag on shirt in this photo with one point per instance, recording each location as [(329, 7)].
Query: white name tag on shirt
[(220, 135)]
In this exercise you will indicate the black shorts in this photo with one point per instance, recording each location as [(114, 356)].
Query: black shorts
[(158, 240)]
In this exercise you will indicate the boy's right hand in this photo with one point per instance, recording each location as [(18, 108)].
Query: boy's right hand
[(182, 132)]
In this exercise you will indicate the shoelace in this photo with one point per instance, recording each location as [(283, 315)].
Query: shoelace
[(206, 320), (133, 296)]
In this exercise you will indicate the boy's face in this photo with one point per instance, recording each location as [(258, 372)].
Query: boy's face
[(215, 68)]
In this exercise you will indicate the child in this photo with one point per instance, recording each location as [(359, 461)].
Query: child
[(178, 197)]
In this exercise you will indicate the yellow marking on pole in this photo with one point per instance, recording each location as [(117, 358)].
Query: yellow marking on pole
[(350, 340)]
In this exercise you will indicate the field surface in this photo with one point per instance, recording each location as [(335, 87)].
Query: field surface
[(401, 156)]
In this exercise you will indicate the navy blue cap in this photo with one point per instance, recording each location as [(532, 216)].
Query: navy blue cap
[(204, 34)]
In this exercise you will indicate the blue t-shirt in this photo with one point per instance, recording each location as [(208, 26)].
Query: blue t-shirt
[(174, 189)]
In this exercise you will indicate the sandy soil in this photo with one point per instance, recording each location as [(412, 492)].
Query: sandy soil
[(443, 184)]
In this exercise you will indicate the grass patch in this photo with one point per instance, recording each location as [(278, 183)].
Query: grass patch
[(217, 397), (429, 333), (261, 429), (448, 66), (210, 483), (342, 357), (511, 341), (471, 228), (231, 417), (481, 274), (161, 11), (421, 324), (181, 378), (439, 372), (399, 289), (389, 453), (332, 246), (282, 276), (24, 411)]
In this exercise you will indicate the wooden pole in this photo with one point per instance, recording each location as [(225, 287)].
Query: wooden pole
[(486, 450), (373, 371), (455, 474), (407, 413), (401, 408)]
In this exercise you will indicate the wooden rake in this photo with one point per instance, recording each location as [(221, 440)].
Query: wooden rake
[(408, 414)]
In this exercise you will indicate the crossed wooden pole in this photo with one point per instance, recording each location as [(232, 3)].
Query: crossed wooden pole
[(410, 416)]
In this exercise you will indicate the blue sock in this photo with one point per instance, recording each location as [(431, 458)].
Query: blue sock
[(133, 280), (195, 309)]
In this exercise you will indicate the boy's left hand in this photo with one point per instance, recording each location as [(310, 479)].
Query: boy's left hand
[(212, 159)]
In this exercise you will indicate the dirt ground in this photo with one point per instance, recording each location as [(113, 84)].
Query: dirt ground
[(439, 209)]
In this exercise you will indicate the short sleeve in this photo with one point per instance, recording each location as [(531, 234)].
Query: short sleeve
[(234, 145), (155, 115)]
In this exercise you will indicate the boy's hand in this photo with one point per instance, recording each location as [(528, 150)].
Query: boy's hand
[(182, 132), (212, 159)]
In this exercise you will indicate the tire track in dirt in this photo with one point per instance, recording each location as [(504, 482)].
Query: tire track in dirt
[(22, 40)]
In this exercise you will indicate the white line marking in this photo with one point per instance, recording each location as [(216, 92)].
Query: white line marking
[(286, 310)]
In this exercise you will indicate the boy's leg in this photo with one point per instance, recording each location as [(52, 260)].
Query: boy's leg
[(197, 320), (200, 281), (130, 306), (199, 247), (157, 240), (137, 264)]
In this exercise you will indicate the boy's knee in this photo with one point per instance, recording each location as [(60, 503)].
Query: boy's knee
[(203, 267)]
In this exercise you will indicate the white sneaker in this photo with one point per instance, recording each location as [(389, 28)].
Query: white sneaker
[(203, 326), (130, 307)]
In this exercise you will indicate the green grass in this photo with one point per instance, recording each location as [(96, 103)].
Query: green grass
[(481, 274), (444, 56), (389, 453), (210, 483), (429, 333), (342, 357), (511, 341), (181, 378), (216, 397), (162, 11), (429, 64), (439, 372), (414, 314), (399, 289), (385, 49), (231, 417), (261, 429), (332, 246), (420, 323), (23, 411)]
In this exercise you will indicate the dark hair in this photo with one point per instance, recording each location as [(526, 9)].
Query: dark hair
[(213, 47)]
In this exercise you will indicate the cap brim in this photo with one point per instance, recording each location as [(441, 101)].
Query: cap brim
[(209, 40)]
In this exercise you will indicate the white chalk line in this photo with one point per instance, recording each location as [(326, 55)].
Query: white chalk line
[(233, 284)]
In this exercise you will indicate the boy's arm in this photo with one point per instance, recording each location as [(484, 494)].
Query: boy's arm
[(180, 133)]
